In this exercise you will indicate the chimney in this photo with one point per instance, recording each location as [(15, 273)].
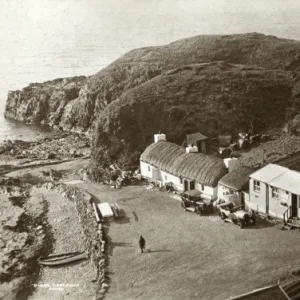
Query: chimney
[(231, 164), (159, 137), (191, 149)]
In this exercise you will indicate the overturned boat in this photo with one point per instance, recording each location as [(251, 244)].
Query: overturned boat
[(62, 259)]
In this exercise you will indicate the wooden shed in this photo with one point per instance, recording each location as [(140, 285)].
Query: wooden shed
[(197, 139)]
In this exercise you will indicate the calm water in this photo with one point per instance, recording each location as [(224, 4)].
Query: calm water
[(46, 39)]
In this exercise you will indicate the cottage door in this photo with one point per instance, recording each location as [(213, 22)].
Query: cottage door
[(294, 206), (242, 197), (192, 185), (186, 185)]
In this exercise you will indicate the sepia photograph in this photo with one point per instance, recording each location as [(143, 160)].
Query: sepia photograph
[(149, 149)]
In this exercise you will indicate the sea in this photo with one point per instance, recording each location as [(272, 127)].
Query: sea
[(47, 39)]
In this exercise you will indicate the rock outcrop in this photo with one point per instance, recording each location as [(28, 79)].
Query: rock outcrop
[(52, 103), (73, 104), (211, 98), (207, 83)]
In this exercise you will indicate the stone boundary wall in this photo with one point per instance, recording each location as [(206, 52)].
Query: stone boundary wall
[(95, 235)]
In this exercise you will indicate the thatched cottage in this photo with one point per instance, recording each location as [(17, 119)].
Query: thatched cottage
[(232, 185), (166, 163)]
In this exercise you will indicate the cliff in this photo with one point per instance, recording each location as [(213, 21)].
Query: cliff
[(213, 84), (55, 103), (73, 104), (212, 98)]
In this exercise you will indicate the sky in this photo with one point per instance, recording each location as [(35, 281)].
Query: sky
[(45, 39)]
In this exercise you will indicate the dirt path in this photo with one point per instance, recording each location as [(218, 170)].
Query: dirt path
[(67, 282)]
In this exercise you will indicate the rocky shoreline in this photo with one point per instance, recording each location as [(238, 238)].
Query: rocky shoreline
[(62, 145), (25, 235), (27, 170)]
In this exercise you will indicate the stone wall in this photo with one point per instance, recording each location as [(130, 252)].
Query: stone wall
[(95, 234)]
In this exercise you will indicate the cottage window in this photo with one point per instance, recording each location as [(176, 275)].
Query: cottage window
[(256, 186), (225, 191), (202, 187), (275, 192), (166, 178), (149, 169)]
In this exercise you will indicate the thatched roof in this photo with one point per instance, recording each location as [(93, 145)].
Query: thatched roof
[(238, 178), (169, 157)]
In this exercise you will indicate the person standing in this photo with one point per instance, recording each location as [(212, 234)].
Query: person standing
[(142, 243)]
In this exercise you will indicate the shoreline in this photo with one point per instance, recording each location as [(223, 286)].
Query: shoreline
[(29, 171)]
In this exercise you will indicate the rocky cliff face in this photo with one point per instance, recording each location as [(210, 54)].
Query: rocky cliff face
[(53, 102), (174, 88), (211, 98), (73, 104)]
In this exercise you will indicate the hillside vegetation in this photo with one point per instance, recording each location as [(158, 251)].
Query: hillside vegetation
[(51, 102), (208, 83), (211, 98)]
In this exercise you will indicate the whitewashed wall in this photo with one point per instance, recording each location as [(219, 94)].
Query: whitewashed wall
[(257, 200), (151, 172), (229, 194), (275, 208), (167, 177), (215, 192), (145, 172), (208, 190), (157, 174), (223, 191), (246, 196)]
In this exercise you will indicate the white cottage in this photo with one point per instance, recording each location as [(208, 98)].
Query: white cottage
[(275, 190), (232, 186), (166, 163)]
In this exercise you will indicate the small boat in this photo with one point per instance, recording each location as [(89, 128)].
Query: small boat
[(61, 259)]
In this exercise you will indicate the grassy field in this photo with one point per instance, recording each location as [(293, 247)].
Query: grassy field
[(189, 257)]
